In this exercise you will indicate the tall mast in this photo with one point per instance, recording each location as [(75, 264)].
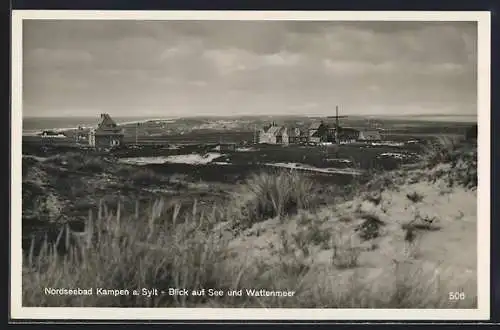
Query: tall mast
[(336, 124), (337, 115), (136, 134)]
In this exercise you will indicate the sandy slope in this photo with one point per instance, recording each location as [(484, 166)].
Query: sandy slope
[(443, 256)]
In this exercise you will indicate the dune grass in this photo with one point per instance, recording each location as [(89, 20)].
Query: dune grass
[(268, 195), (158, 249), (128, 252), (125, 252)]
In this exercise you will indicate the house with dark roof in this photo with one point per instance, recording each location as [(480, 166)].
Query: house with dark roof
[(319, 132), (348, 135), (106, 134)]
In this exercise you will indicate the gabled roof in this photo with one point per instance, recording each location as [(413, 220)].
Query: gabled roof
[(265, 128), (315, 125), (107, 126), (106, 122), (276, 130)]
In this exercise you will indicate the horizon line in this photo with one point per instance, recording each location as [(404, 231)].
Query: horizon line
[(253, 115)]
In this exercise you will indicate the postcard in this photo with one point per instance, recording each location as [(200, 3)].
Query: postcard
[(250, 165)]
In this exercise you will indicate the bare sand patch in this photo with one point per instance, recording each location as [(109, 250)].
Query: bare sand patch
[(192, 159)]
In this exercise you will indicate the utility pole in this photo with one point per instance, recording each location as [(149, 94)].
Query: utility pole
[(137, 134), (337, 124)]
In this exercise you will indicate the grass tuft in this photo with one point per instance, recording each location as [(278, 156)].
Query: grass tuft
[(267, 195), (369, 228), (415, 197)]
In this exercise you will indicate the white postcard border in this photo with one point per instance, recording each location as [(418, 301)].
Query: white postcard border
[(483, 269)]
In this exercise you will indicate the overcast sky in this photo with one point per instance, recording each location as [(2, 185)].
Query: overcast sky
[(177, 68)]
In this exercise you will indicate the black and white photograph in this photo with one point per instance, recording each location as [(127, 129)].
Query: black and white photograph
[(262, 164)]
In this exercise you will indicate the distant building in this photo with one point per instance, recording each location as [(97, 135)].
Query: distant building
[(319, 132), (316, 133), (369, 136), (106, 134), (273, 134), (348, 135)]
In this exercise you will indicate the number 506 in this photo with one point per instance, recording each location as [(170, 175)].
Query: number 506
[(456, 295)]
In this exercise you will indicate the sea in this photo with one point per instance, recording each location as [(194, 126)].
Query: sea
[(35, 125)]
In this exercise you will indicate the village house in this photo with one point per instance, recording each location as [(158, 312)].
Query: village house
[(273, 134), (106, 134), (323, 132), (348, 135), (319, 132), (316, 133), (263, 135)]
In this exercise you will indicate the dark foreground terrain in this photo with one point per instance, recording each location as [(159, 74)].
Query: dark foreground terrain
[(62, 183)]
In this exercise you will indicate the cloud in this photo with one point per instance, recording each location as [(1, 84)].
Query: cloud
[(56, 58), (232, 60), (234, 66), (283, 58)]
